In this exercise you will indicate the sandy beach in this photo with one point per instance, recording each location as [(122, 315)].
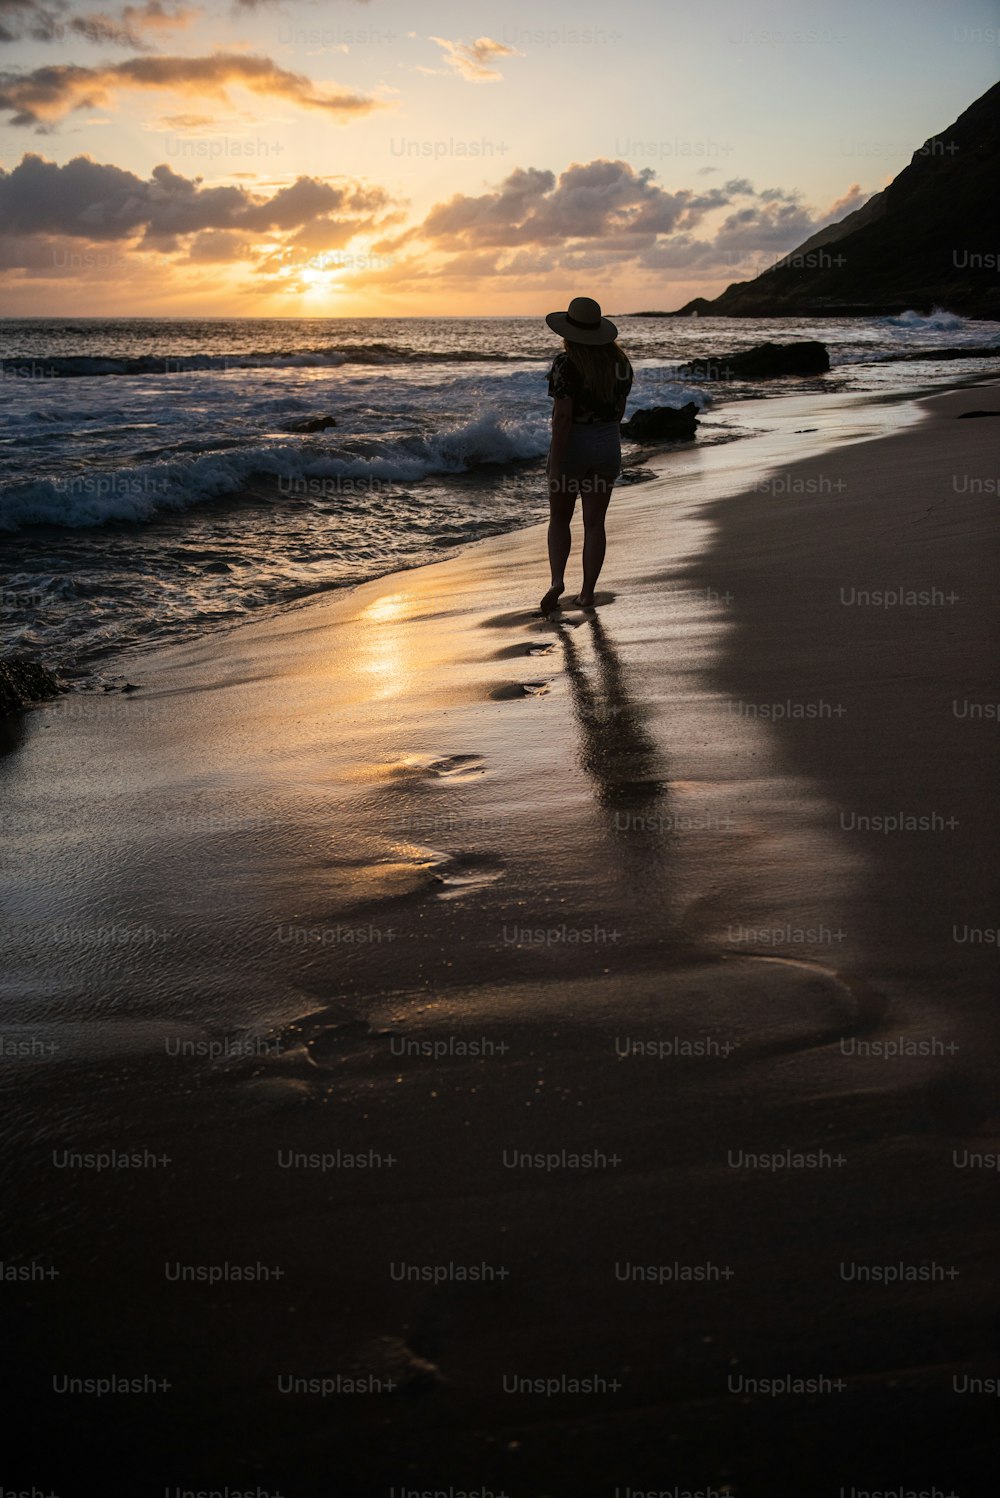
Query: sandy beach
[(451, 1049)]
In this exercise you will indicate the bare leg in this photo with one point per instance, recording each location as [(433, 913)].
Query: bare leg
[(596, 493), (561, 508)]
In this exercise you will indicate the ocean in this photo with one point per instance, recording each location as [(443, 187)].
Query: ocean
[(153, 484)]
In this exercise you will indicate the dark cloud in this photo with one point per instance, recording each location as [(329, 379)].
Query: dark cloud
[(20, 19), (99, 203), (133, 26), (127, 27), (251, 5), (217, 246)]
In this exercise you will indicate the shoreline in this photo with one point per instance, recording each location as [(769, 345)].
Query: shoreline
[(426, 762), (724, 424), (156, 558)]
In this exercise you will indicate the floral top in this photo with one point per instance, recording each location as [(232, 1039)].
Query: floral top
[(565, 379)]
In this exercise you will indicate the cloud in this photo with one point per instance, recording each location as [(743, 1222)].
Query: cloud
[(100, 203), (187, 122), (216, 246), (600, 199), (127, 27), (27, 18), (605, 215), (776, 220), (260, 4), (471, 60), (41, 22), (594, 222), (47, 95), (853, 198)]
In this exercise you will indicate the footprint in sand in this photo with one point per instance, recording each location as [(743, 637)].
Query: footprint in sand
[(391, 1358), (340, 1041), (525, 647), (454, 765), (465, 873), (423, 871), (512, 690), (446, 767)]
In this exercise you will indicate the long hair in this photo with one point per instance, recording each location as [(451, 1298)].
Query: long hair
[(603, 368)]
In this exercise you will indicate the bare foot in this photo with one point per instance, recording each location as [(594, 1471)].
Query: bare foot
[(584, 600), (552, 597)]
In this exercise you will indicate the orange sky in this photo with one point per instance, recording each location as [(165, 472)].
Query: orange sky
[(261, 158)]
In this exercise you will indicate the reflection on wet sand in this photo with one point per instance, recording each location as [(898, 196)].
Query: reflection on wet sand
[(626, 766), (616, 750)]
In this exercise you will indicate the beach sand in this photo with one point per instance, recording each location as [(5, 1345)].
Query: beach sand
[(536, 998)]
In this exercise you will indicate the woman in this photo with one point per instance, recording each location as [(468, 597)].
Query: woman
[(589, 383)]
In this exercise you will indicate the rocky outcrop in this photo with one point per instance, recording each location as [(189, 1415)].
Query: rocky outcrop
[(313, 424), (968, 351), (661, 423), (23, 682), (762, 362), (694, 308), (930, 239)]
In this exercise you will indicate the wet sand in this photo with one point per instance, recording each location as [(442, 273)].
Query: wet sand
[(544, 1000)]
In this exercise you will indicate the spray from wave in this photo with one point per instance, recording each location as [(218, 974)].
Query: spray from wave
[(935, 321)]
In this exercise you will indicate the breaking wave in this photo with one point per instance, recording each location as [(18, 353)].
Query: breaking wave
[(937, 320), (78, 366), (95, 497)]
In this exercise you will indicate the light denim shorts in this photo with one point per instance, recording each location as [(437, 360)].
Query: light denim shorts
[(594, 444)]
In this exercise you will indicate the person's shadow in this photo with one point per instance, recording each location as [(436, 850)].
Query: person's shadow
[(627, 770), (625, 765), (617, 752)]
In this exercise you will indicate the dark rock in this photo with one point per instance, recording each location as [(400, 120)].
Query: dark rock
[(693, 308), (967, 351), (764, 361), (23, 681), (313, 424), (659, 423)]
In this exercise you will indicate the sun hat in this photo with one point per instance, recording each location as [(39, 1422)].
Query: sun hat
[(582, 322)]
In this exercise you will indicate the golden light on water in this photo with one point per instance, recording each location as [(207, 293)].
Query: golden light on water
[(391, 606), (385, 654)]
